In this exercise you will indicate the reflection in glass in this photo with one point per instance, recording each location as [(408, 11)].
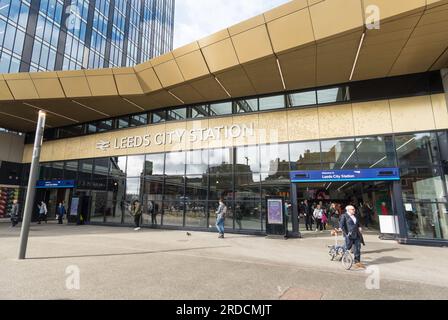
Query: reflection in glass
[(274, 159), (221, 186), (196, 214), (246, 105), (339, 154), (85, 173), (45, 171), (305, 155), (217, 109), (332, 95), (57, 172), (158, 116), (376, 152), (302, 99), (177, 114), (123, 122), (196, 188), (116, 200), (175, 163), (199, 111), (173, 213), (417, 149), (247, 159), (422, 184), (118, 166), (105, 125), (197, 162), (71, 170), (135, 166), (133, 187), (71, 131), (247, 215), (139, 120), (247, 187), (427, 220), (152, 199), (98, 207), (274, 102), (154, 164), (220, 161), (101, 169), (275, 186), (174, 188)]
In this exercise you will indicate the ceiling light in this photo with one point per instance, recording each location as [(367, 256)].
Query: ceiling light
[(357, 55), (281, 74)]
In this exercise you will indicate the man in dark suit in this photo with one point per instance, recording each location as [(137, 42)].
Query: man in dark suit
[(308, 212), (350, 226)]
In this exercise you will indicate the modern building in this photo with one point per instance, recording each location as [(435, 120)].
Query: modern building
[(51, 35), (305, 101)]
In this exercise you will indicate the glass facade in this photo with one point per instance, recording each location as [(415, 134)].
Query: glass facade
[(47, 35), (185, 186)]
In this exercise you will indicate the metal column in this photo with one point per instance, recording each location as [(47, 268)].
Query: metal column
[(34, 173)]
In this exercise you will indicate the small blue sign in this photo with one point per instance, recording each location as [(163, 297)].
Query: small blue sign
[(55, 184), (381, 174)]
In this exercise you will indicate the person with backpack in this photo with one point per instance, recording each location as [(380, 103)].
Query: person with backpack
[(220, 217)]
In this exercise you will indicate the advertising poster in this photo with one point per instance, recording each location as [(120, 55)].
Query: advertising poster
[(275, 211), (74, 207)]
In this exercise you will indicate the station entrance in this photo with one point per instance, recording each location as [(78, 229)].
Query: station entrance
[(371, 199), (375, 194)]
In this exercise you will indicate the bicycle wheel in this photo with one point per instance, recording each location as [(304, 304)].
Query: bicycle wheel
[(332, 253), (347, 260)]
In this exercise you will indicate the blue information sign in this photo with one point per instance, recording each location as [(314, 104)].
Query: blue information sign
[(381, 174), (55, 184)]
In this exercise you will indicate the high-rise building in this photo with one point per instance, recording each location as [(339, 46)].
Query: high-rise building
[(47, 35)]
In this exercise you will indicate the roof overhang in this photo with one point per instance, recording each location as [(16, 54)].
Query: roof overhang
[(298, 45)]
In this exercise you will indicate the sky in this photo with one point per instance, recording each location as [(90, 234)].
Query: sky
[(195, 19)]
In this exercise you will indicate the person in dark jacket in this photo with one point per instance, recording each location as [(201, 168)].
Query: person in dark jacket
[(61, 212), (308, 212), (349, 224)]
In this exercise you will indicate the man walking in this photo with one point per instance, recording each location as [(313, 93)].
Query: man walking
[(137, 211), (61, 212), (43, 211), (220, 218), (307, 210), (349, 224)]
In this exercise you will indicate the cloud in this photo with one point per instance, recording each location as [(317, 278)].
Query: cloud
[(195, 19)]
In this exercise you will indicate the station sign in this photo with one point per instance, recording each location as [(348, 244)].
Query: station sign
[(55, 184), (380, 174)]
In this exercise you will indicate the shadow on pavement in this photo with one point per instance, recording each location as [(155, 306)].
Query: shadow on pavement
[(384, 260), (126, 253), (379, 251)]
